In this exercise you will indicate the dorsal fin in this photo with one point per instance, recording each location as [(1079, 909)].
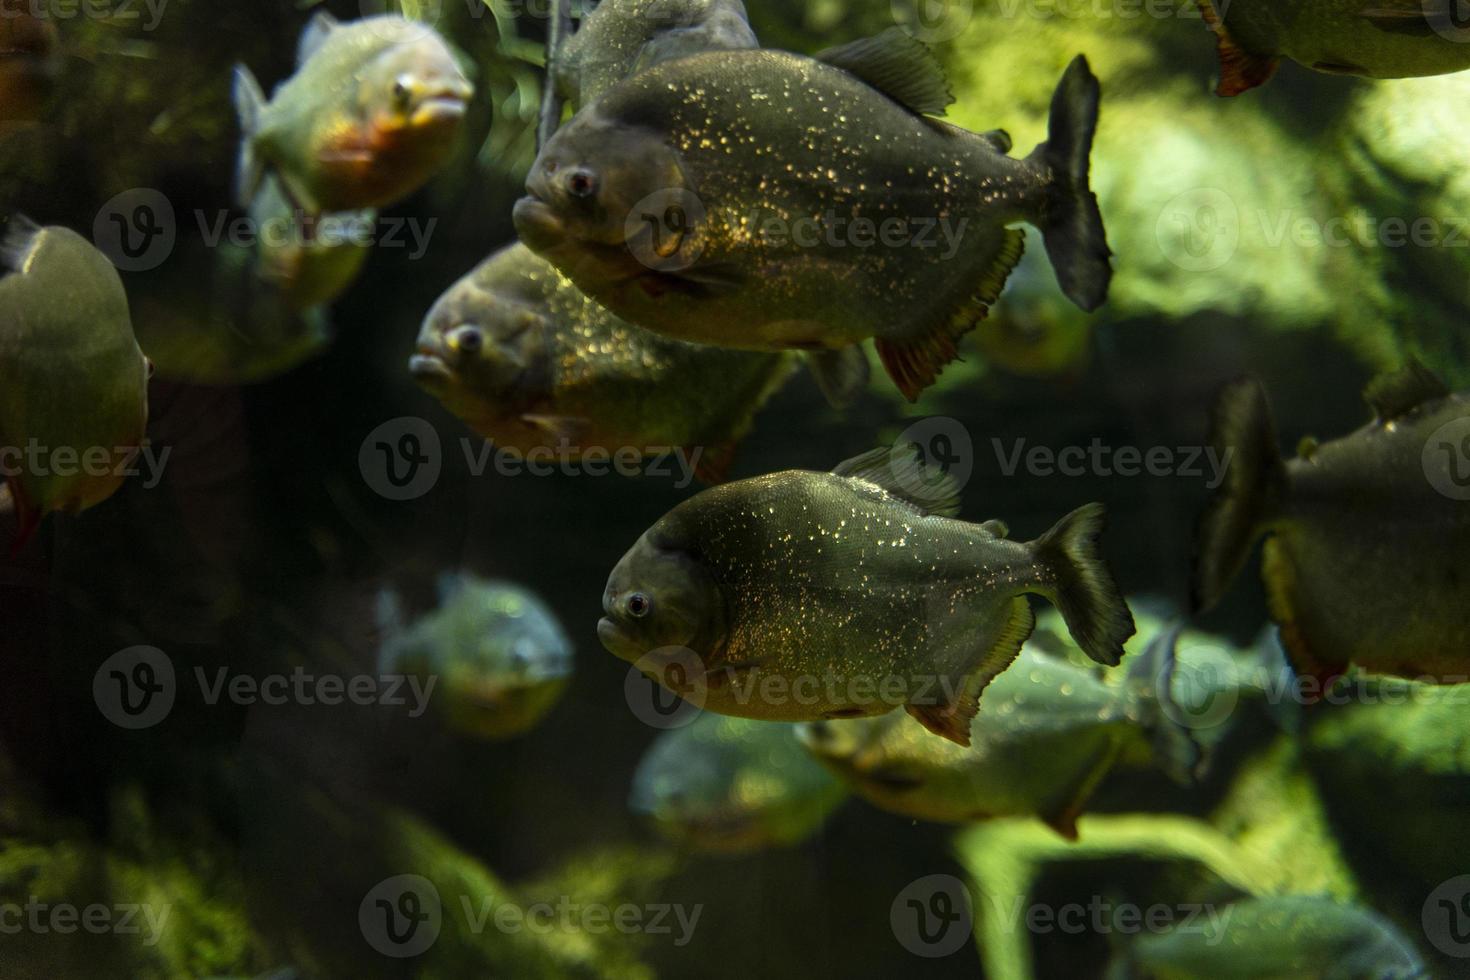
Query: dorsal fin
[(20, 237), (900, 66), (999, 529), (903, 472), (1393, 396), (314, 35)]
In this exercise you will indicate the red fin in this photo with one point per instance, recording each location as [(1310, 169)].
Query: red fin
[(1280, 581), (951, 721), (715, 462), (914, 363), (1065, 824), (1240, 70)]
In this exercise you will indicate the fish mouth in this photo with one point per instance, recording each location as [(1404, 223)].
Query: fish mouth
[(616, 642), (430, 370), (538, 223), (440, 109)]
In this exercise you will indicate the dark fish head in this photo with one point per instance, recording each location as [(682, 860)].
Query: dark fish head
[(416, 87), (597, 196), (482, 348), (661, 598)]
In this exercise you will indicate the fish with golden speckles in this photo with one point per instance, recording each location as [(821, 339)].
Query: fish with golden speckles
[(801, 596), (676, 198), (529, 362)]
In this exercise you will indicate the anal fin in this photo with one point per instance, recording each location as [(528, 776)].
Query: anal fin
[(952, 720), (1064, 814), (1240, 70), (914, 363)]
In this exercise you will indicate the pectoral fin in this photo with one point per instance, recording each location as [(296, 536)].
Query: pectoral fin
[(1395, 395), (842, 375), (1240, 70), (914, 363), (564, 429), (952, 720), (1063, 813)]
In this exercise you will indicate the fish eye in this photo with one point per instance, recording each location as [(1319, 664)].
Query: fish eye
[(639, 605), (582, 183), (469, 340), (403, 89)]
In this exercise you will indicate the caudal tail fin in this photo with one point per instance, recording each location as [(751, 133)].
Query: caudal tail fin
[(1176, 749), (1072, 226), (249, 101), (1245, 437), (1089, 599)]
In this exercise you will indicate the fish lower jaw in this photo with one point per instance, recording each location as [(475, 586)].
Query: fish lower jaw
[(430, 371)]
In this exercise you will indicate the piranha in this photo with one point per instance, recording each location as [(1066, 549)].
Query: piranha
[(371, 114), (30, 62), (1046, 736), (307, 260), (1366, 536), (733, 786), (501, 658), (529, 362), (801, 596), (73, 381), (761, 200), (620, 38), (1285, 936), (1370, 38)]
